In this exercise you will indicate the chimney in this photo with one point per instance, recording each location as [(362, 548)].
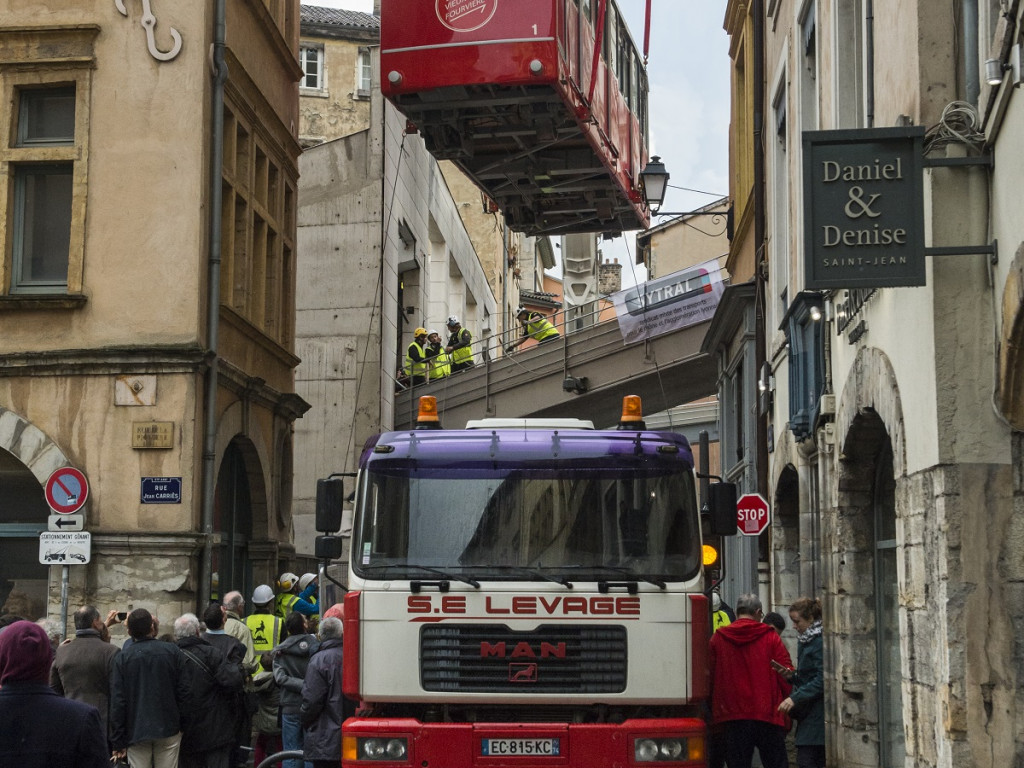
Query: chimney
[(609, 279)]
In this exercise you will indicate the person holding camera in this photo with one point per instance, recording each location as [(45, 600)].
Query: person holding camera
[(806, 702)]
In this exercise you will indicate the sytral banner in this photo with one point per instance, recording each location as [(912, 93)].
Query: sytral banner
[(669, 303)]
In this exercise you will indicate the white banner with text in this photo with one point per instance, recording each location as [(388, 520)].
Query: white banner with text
[(669, 303)]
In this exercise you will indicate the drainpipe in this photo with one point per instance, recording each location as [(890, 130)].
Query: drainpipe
[(869, 64), (969, 39), (761, 264), (220, 75)]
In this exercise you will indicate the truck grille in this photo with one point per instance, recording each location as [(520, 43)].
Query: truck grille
[(484, 658)]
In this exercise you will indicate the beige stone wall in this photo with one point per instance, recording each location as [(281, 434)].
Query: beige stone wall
[(337, 109), (135, 308)]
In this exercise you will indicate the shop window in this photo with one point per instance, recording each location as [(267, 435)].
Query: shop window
[(802, 325)]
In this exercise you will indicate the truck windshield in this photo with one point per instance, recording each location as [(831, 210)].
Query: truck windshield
[(501, 524)]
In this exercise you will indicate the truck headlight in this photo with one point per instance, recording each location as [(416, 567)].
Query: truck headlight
[(386, 749), (665, 750)]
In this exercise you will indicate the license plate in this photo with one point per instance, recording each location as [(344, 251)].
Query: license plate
[(521, 747)]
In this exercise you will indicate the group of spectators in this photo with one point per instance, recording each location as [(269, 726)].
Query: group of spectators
[(756, 693), (427, 358), (204, 696)]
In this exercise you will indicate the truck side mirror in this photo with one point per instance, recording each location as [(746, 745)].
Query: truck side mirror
[(330, 495), (722, 508), (328, 547)]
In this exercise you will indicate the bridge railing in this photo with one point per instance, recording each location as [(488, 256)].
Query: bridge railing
[(495, 346)]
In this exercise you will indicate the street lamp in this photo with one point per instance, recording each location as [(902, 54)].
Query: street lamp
[(655, 183)]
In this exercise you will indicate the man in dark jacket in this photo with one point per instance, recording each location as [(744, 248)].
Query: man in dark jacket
[(745, 689), (214, 683), (81, 668), (214, 617), (291, 658), (41, 729), (324, 707), (148, 697)]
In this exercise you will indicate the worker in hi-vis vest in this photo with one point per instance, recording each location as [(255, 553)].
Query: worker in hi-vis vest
[(535, 326), (416, 363), (266, 627), (459, 346), (289, 598), (440, 363)]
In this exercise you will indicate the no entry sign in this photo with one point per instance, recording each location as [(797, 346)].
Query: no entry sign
[(66, 491), (753, 515)]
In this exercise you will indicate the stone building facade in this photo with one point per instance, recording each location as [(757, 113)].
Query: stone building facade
[(894, 459), (130, 208)]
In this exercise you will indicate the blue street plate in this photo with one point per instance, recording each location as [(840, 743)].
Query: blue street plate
[(160, 490), (521, 747)]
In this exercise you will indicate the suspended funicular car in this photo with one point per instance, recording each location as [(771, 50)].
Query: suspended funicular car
[(543, 103)]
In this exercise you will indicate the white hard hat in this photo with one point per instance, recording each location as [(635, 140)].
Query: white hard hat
[(262, 595), (306, 580), (287, 580), (716, 601), (432, 332), (453, 320)]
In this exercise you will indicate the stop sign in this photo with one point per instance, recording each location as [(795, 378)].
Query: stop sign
[(752, 514)]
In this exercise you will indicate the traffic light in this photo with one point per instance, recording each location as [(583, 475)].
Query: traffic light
[(711, 550)]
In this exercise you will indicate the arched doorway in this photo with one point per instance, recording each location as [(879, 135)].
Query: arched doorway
[(232, 568), (786, 543), (872, 644), (23, 515)]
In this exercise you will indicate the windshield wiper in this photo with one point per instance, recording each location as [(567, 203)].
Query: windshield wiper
[(621, 570), (529, 572), (429, 569)]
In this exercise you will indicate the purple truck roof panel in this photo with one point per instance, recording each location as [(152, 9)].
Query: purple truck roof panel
[(510, 446)]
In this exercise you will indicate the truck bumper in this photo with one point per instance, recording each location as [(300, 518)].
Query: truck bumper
[(674, 743)]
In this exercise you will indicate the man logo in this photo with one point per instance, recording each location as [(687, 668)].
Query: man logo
[(522, 673)]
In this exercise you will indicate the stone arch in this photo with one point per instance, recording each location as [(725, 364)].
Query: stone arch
[(871, 387), (30, 445), (786, 541), (232, 428), (860, 535), (1011, 346)]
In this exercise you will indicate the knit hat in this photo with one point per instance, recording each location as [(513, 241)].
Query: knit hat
[(25, 653), (336, 611)]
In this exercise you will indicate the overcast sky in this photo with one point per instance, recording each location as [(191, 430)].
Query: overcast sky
[(688, 69)]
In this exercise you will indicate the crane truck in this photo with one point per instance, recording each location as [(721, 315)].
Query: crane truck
[(526, 593)]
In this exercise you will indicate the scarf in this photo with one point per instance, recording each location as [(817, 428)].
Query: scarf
[(810, 633)]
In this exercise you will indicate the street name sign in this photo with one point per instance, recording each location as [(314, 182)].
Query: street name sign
[(72, 548), (160, 490)]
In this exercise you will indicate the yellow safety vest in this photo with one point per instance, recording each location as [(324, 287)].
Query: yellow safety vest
[(539, 328), (412, 367), (462, 354), (266, 631), (720, 619), (442, 366), (283, 604)]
